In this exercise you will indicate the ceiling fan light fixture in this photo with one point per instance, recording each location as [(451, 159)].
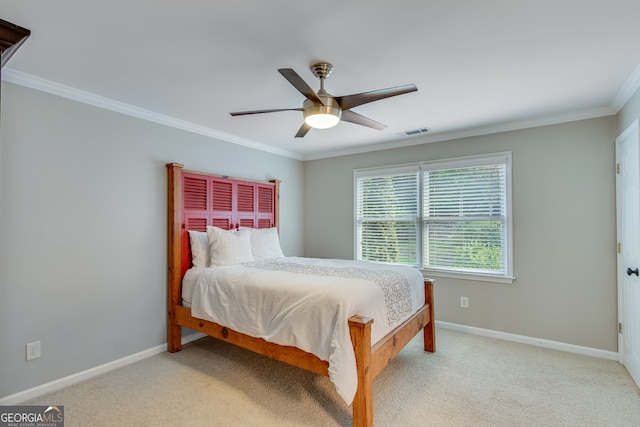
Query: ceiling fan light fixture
[(322, 116), (319, 120)]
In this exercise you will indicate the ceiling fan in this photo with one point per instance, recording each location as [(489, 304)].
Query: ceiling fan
[(322, 110)]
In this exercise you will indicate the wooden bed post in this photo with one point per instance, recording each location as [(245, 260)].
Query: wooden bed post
[(174, 330), (276, 205), (430, 329), (360, 329)]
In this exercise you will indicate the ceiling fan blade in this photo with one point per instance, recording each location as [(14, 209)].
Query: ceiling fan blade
[(244, 113), (350, 101), (351, 117), (303, 130), (302, 86)]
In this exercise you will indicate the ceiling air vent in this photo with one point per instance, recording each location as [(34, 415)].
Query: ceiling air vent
[(416, 131)]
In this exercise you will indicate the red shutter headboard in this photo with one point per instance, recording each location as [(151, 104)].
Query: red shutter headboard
[(198, 199)]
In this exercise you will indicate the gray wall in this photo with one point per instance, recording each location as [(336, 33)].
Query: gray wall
[(83, 229), (83, 261), (630, 112), (564, 230)]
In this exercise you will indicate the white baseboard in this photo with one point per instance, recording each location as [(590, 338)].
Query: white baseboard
[(31, 393), (555, 345), (22, 396)]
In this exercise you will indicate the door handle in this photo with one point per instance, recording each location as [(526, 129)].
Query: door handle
[(630, 271)]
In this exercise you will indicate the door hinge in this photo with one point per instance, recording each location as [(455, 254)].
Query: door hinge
[(617, 167), (619, 327), (619, 248)]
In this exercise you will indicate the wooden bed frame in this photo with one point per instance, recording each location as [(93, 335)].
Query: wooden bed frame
[(370, 359)]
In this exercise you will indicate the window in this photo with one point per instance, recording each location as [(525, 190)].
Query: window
[(449, 217), (389, 216)]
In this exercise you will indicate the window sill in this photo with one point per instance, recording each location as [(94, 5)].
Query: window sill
[(468, 276)]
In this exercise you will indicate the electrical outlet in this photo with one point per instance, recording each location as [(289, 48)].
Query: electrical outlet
[(464, 302), (33, 350)]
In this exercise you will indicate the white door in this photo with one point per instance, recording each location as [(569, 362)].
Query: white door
[(628, 225)]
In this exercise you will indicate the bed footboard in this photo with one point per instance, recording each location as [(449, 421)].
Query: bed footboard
[(371, 360)]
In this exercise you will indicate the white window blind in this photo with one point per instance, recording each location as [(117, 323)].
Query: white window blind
[(465, 218), (388, 217), (449, 216)]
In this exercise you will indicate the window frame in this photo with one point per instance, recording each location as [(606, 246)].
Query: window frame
[(449, 163)]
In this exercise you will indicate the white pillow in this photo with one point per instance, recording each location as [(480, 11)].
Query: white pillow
[(227, 247), (199, 248), (265, 243)]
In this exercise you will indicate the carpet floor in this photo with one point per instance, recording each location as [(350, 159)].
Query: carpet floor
[(469, 381)]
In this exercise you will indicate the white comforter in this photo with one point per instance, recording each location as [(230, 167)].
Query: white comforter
[(306, 303)]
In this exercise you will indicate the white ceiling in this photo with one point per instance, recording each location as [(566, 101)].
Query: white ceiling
[(480, 66)]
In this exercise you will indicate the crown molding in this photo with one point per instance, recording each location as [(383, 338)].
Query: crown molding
[(43, 85), (17, 77), (472, 132), (627, 90)]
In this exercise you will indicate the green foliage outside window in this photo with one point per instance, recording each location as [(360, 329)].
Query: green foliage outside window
[(450, 215)]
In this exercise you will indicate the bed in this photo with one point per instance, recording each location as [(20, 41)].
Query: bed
[(202, 202)]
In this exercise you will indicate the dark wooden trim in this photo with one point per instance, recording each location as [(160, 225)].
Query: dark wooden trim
[(11, 38)]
